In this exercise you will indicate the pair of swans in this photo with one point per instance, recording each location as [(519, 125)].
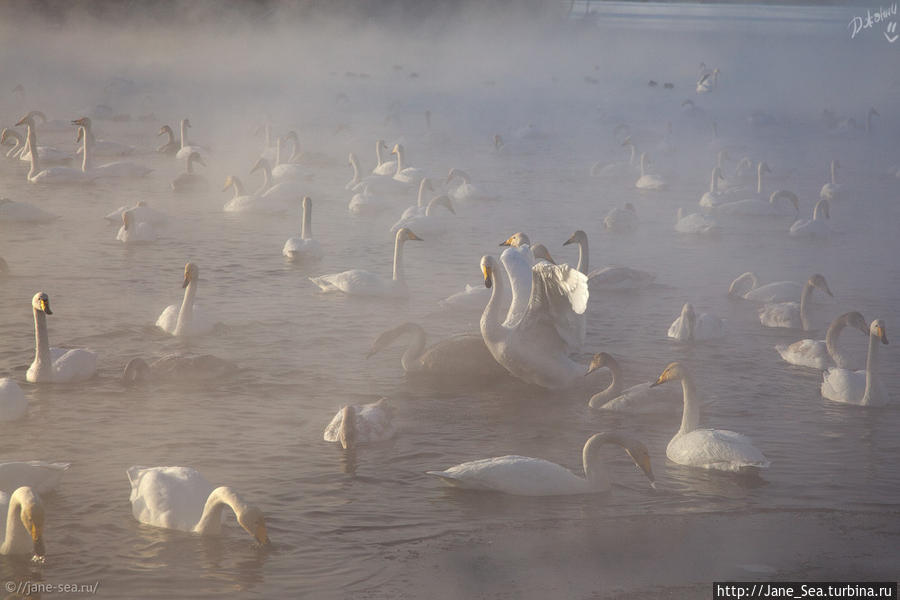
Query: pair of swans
[(863, 388), (622, 220), (22, 520), (21, 151), (52, 175), (648, 180), (118, 168), (13, 405), (821, 354), (356, 424), (793, 315), (691, 327), (56, 365), (525, 476), (303, 248), (713, 449), (22, 212), (190, 181), (817, 227), (186, 320), (640, 398), (742, 181), (134, 231), (181, 498), (460, 355), (607, 278), (357, 282)]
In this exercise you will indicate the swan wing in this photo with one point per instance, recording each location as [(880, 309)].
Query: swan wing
[(559, 295), (679, 330), (643, 399), (374, 423), (73, 365), (465, 354), (517, 475), (168, 318), (777, 291), (620, 278), (717, 449), (844, 385), (40, 475), (782, 314), (806, 353), (170, 497), (299, 249), (473, 297), (357, 282)]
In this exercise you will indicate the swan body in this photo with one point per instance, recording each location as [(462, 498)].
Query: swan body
[(460, 355), (357, 282), (429, 223), (817, 227), (177, 367), (608, 278), (13, 405), (621, 220), (863, 388), (377, 184), (404, 174), (713, 197), (832, 190), (696, 224), (384, 167), (757, 207), (361, 424), (181, 498), (691, 327), (649, 181), (39, 475), (190, 181), (21, 523), (419, 207), (101, 147), (473, 297), (141, 213), (133, 231), (303, 248), (22, 212), (640, 398), (793, 315), (56, 365), (524, 476), (47, 154), (777, 291), (186, 320), (713, 449), (467, 191), (821, 354), (742, 179)]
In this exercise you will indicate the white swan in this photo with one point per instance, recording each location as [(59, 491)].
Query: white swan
[(142, 214), (607, 278), (817, 227), (190, 181), (171, 147), (186, 320), (713, 197), (22, 212), (47, 154), (649, 181), (793, 315), (640, 398), (119, 168), (13, 405), (357, 282), (863, 388), (365, 203), (535, 348), (777, 291), (42, 476), (133, 231), (303, 248), (617, 170), (708, 82), (460, 355), (180, 498), (743, 179), (429, 223), (691, 327), (52, 175), (524, 476), (715, 449), (102, 147), (621, 220), (177, 367), (56, 365), (188, 148), (696, 223), (832, 189), (285, 171), (821, 354), (243, 202), (22, 523), (284, 191), (758, 207), (467, 191), (419, 207), (404, 174), (361, 424), (376, 184), (384, 167)]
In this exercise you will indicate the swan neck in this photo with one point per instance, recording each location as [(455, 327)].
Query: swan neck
[(491, 327), (412, 357), (831, 337), (583, 257), (613, 389), (595, 471), (833, 169), (714, 181), (420, 200), (183, 133), (31, 146), (398, 259), (306, 222), (804, 301), (690, 418), (86, 151), (211, 519), (633, 154), (871, 367), (42, 360), (14, 527), (378, 153), (401, 162), (238, 187), (277, 151), (355, 165), (643, 164), (759, 178), (186, 314)]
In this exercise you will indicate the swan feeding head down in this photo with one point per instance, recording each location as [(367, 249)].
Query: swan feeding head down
[(24, 532)]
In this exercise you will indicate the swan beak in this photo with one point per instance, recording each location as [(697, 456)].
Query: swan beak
[(370, 353), (45, 306), (828, 291), (261, 534), (571, 240), (487, 276), (413, 237), (22, 121), (643, 461), (187, 280), (508, 242), (882, 334)]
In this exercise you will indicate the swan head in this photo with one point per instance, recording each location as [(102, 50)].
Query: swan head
[(599, 361), (186, 123), (488, 266), (254, 522), (673, 372), (541, 253), (516, 240), (406, 235), (878, 330), (230, 181), (82, 122), (191, 274), (262, 163), (398, 148), (818, 281), (26, 120), (579, 237), (635, 449), (164, 130), (789, 196), (855, 319), (41, 302), (32, 516)]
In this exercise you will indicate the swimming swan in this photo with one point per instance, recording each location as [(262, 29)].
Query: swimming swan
[(429, 223), (180, 498), (649, 181), (607, 278), (188, 148), (102, 147), (56, 365), (404, 174), (142, 214), (357, 282), (13, 405), (466, 191), (777, 291), (42, 476), (864, 388), (186, 320), (419, 207), (821, 354), (133, 231), (47, 154), (832, 189), (793, 315), (356, 424), (696, 224), (171, 147), (715, 449), (303, 248), (524, 476), (617, 170), (119, 168), (815, 227), (22, 523), (713, 197), (691, 327), (621, 220), (757, 207), (243, 202), (384, 167), (190, 181), (285, 191), (640, 398)]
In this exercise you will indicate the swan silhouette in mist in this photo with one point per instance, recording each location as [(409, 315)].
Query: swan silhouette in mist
[(817, 227), (42, 476), (177, 367), (170, 147), (303, 248), (777, 291), (525, 476), (242, 202), (102, 147), (647, 180), (56, 365), (780, 204), (187, 147), (617, 170), (863, 388), (22, 212), (134, 231), (821, 354), (640, 398), (190, 181), (384, 167), (714, 197), (691, 327), (181, 498), (793, 315), (52, 175), (47, 154), (621, 220), (430, 223), (22, 523), (285, 191), (357, 282), (832, 189), (742, 182), (467, 191), (119, 168), (607, 278), (356, 424), (142, 214), (696, 224), (714, 449), (405, 174), (186, 320)]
